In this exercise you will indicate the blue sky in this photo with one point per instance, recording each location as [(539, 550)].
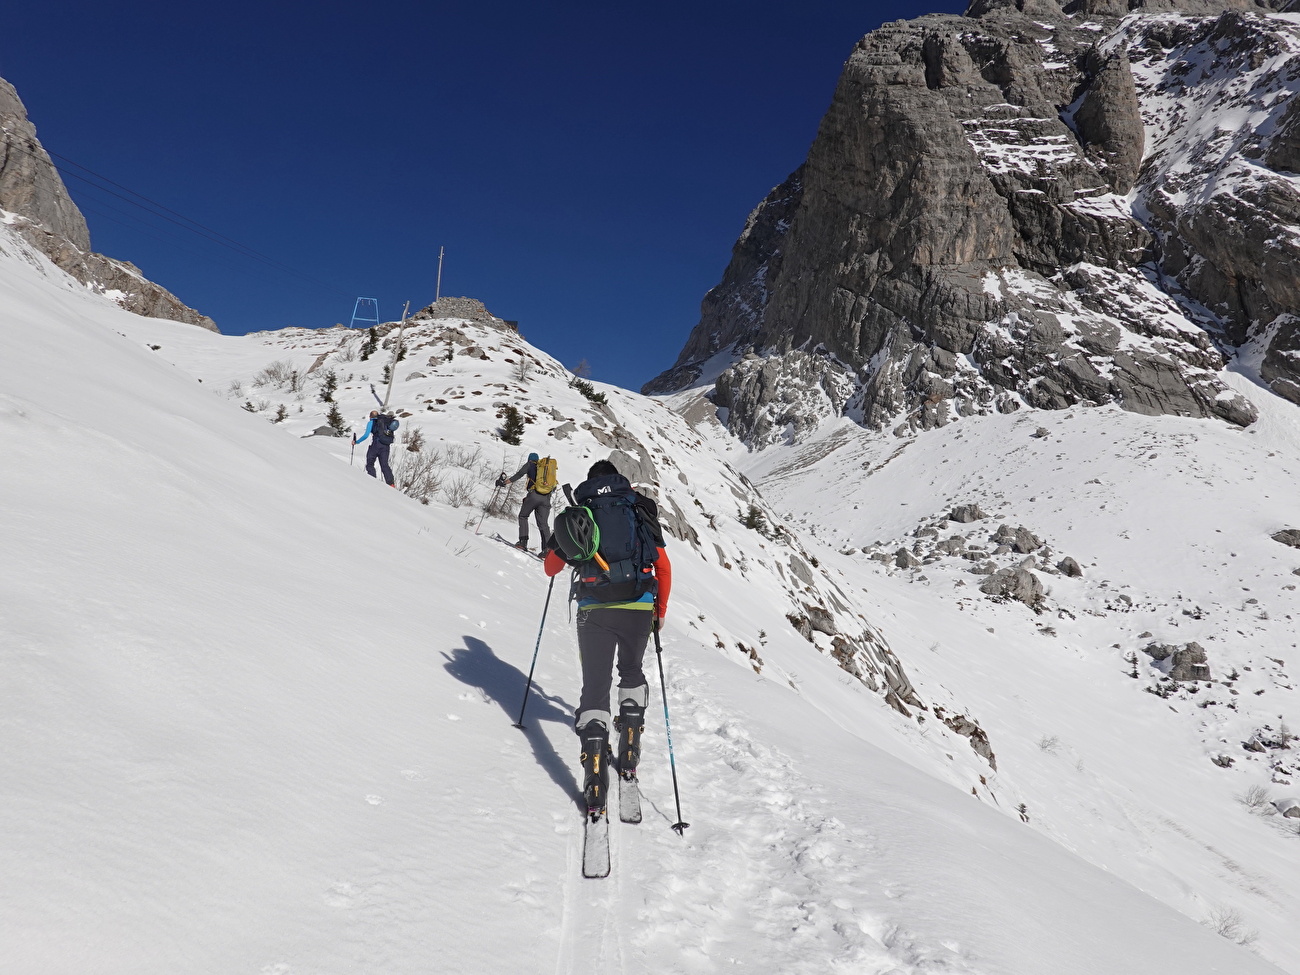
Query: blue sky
[(588, 166)]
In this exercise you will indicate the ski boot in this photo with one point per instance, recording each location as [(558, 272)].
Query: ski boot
[(629, 724), (595, 765), (522, 545)]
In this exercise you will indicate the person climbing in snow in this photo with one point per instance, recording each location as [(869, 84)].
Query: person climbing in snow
[(537, 500), (380, 427), (622, 589)]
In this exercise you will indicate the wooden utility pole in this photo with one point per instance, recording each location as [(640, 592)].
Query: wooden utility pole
[(397, 350)]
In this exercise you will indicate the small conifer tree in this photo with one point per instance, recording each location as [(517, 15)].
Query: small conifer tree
[(512, 432), (335, 419), (369, 346), (329, 384)]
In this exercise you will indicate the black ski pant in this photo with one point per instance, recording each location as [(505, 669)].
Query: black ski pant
[(539, 506), (606, 636), (379, 452)]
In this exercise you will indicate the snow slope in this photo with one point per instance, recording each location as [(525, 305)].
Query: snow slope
[(257, 708), (1171, 520)]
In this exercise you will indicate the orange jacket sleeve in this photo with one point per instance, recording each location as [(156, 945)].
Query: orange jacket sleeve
[(664, 576)]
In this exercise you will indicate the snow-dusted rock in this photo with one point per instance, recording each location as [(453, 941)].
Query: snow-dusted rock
[(1016, 583), (966, 513), (41, 211), (957, 241)]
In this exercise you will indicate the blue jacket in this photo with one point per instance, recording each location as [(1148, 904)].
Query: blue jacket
[(370, 423)]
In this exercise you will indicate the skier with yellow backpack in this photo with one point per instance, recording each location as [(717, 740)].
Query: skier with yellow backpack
[(542, 477)]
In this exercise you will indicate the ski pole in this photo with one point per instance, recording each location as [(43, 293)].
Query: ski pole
[(528, 689), (353, 454), (490, 505), (678, 826)]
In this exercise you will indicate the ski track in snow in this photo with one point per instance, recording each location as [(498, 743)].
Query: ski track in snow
[(765, 879)]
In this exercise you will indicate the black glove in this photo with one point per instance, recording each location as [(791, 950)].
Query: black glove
[(501, 480)]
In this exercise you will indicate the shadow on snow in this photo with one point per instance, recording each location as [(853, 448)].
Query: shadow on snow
[(477, 665)]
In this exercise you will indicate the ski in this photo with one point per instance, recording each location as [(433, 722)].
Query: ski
[(523, 551), (595, 845), (629, 798)]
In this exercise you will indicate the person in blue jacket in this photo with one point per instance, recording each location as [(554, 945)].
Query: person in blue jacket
[(378, 450)]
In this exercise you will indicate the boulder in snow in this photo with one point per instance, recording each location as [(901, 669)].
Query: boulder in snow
[(1288, 536), (1019, 584), (1067, 566)]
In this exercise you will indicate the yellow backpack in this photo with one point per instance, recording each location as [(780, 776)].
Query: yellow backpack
[(546, 476)]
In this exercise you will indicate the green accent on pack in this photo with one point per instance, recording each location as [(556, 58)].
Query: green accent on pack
[(635, 605)]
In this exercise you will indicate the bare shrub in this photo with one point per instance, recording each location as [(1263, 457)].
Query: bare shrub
[(278, 374), (347, 351), (522, 370), (235, 389), (459, 491), (418, 473), (413, 439), (464, 455), (1254, 798), (1227, 922), (503, 504), (1049, 744)]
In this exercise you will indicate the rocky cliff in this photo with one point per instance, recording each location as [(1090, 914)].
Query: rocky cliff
[(35, 203), (1027, 205)]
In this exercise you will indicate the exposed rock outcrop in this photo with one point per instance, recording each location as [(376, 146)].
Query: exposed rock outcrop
[(37, 206), (1186, 663), (470, 309), (959, 242)]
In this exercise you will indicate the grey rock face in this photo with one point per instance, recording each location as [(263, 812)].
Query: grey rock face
[(734, 306), (1109, 119), (1221, 200), (967, 513), (31, 188), (956, 243), (470, 309)]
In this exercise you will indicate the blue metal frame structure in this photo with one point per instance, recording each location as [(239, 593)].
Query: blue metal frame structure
[(372, 303)]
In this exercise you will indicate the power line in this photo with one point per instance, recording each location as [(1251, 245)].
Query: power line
[(179, 219)]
